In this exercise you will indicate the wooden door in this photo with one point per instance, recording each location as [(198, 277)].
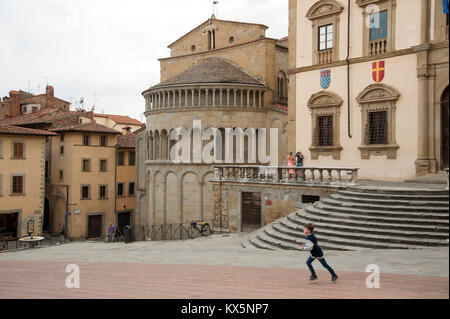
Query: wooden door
[(444, 136), (95, 226), (123, 219), (251, 212)]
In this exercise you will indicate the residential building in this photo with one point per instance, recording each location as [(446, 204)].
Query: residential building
[(117, 122), (125, 179), (82, 180), (21, 102), (22, 180)]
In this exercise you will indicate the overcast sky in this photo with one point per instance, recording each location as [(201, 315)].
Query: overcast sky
[(107, 48)]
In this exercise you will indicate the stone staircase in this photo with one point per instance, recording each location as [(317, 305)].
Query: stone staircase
[(364, 217)]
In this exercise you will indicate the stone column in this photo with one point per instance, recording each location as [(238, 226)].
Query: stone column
[(214, 97), (248, 98), (228, 97), (234, 94), (199, 97), (193, 97), (206, 98), (185, 98), (164, 100), (242, 98), (221, 101)]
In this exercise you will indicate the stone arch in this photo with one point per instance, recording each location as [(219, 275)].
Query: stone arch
[(282, 84), (157, 146), (159, 198), (191, 197), (208, 202), (150, 152), (324, 99), (164, 145), (378, 92), (172, 215), (324, 8)]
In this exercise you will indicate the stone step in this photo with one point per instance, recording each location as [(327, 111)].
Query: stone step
[(396, 231), (397, 191), (407, 196), (385, 207), (387, 201), (380, 219), (342, 242), (358, 235), (286, 245), (373, 212)]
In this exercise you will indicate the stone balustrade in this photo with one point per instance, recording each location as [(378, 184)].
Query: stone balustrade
[(320, 176), (207, 96)]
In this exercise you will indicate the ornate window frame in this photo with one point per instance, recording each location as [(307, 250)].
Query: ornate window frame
[(390, 6), (378, 97), (325, 12), (325, 103)]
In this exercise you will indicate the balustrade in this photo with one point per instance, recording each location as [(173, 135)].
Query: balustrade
[(339, 176)]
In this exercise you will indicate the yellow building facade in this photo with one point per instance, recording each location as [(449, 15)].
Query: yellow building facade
[(83, 180), (22, 180), (369, 86)]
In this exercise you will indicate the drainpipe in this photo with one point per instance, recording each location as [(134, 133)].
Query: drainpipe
[(348, 69)]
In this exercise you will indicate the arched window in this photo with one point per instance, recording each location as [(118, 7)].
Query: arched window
[(378, 105), (325, 116)]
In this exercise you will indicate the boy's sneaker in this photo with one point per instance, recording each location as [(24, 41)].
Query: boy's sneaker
[(313, 277), (334, 278)]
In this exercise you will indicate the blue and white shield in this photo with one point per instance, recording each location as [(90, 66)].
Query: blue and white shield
[(325, 79)]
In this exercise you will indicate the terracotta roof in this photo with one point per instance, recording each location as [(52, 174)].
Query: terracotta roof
[(15, 130), (120, 119), (87, 127), (126, 141), (48, 115), (211, 70)]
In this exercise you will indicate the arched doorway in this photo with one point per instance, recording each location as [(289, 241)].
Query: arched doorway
[(444, 133), (46, 224)]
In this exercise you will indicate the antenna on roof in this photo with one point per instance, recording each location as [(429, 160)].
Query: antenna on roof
[(215, 3)]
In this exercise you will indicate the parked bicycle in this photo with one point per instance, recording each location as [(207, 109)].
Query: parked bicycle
[(199, 228)]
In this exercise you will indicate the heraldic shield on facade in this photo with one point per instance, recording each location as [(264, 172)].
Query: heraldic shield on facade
[(378, 71), (325, 79)]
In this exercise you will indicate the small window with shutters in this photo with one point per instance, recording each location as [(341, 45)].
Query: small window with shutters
[(17, 185), (18, 150)]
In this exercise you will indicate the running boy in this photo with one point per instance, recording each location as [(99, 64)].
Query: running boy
[(316, 253)]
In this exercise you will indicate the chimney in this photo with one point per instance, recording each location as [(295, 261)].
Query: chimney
[(15, 103), (49, 95), (126, 130)]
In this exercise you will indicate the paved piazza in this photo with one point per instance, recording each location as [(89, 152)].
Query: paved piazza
[(217, 267)]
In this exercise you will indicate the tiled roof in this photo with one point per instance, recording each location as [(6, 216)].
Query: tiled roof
[(120, 119), (48, 115), (88, 128), (211, 70), (15, 130), (126, 141)]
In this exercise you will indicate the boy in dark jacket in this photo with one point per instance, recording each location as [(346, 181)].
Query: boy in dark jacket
[(313, 247)]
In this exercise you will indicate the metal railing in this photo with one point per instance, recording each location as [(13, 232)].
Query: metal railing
[(163, 232), (319, 176), (7, 244)]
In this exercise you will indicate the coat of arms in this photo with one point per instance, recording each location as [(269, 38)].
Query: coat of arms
[(378, 71), (325, 79)]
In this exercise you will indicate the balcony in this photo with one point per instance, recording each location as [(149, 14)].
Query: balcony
[(378, 46), (283, 175), (325, 56)]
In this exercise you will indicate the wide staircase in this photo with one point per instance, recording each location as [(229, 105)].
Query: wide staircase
[(364, 217)]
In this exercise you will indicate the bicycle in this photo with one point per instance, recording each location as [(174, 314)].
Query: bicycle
[(194, 230)]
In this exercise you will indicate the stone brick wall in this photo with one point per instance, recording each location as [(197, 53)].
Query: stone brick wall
[(284, 200)]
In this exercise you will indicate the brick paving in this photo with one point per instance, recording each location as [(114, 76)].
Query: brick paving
[(42, 279)]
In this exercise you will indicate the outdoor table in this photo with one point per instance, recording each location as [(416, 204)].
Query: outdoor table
[(32, 240)]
